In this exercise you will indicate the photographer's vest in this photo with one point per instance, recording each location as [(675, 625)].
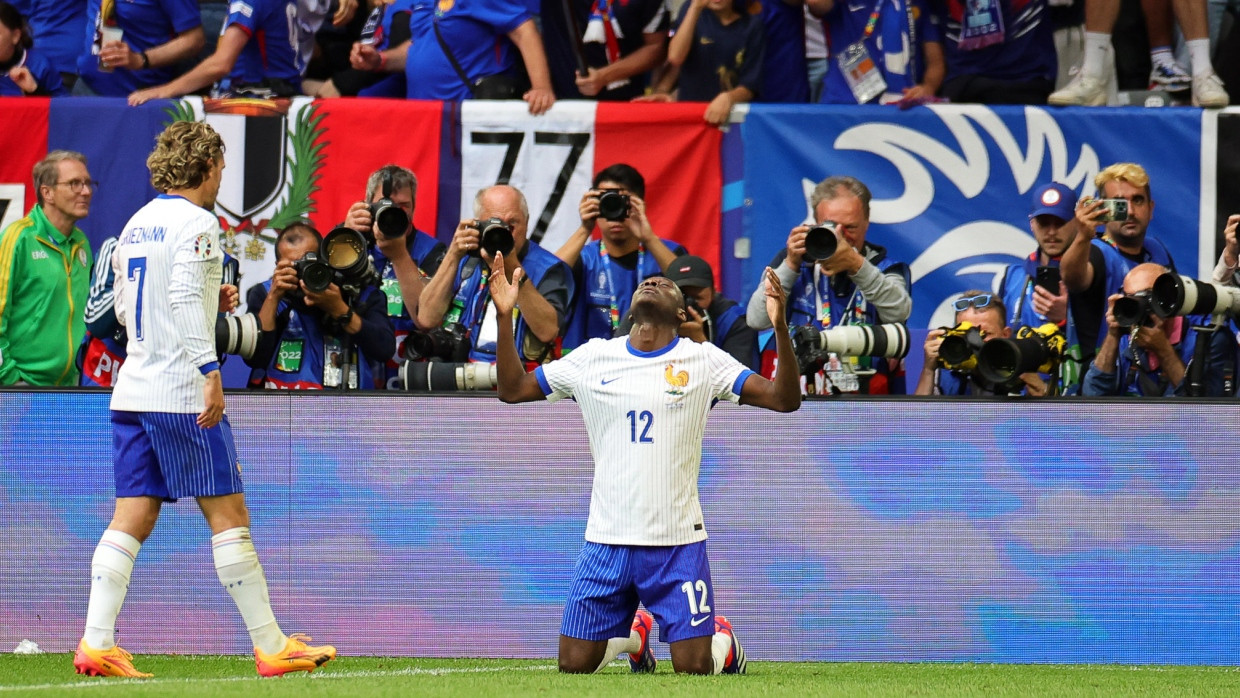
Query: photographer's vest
[(607, 290), (302, 351), (397, 313), (1016, 290), (474, 295), (833, 301)]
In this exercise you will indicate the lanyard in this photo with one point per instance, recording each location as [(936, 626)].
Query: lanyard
[(824, 301), (872, 23), (613, 309)]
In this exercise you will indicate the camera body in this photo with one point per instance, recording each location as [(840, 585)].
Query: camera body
[(960, 347), (447, 343), (613, 205), (494, 235), (812, 346), (390, 220), (1114, 210), (821, 242), (314, 272), (1134, 309), (343, 259)]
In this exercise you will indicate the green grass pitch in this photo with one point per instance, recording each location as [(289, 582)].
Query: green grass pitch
[(52, 675)]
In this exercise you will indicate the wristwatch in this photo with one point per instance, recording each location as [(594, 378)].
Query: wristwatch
[(345, 318), (146, 60)]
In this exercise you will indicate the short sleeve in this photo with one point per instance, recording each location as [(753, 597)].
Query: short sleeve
[(727, 375), (560, 378)]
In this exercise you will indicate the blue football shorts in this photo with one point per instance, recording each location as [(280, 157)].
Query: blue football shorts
[(167, 455), (672, 582)]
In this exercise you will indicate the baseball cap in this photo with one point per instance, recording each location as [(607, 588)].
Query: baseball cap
[(688, 270), (1055, 199)]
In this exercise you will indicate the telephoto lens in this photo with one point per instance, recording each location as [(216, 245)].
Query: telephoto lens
[(390, 219), (820, 242)]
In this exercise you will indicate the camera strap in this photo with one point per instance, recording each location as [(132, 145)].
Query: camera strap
[(452, 58), (613, 310)]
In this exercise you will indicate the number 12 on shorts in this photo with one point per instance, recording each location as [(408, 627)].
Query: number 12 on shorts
[(695, 593)]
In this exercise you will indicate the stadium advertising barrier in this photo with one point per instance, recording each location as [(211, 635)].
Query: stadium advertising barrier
[(850, 530), (951, 183)]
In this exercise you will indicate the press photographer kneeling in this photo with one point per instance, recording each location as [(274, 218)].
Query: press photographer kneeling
[(323, 317)]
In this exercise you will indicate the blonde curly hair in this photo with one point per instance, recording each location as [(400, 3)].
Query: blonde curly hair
[(183, 154)]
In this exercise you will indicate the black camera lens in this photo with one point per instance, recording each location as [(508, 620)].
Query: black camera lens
[(390, 219), (495, 236), (313, 272), (612, 205), (820, 242), (1133, 309)]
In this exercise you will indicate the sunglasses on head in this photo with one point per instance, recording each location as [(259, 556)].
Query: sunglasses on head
[(979, 301)]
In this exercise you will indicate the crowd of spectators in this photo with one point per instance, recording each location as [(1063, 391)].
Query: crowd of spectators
[(719, 52)]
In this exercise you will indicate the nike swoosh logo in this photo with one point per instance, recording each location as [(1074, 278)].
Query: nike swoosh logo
[(695, 622), (606, 381)]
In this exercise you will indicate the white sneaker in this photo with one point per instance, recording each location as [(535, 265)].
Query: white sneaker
[(1085, 90), (1208, 92), (1170, 77)]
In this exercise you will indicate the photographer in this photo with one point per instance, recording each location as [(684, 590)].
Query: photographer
[(106, 344), (855, 285), (1034, 292), (1145, 355), (1094, 268), (307, 335), (460, 293), (404, 257), (607, 271), (712, 317), (1225, 271), (985, 312)]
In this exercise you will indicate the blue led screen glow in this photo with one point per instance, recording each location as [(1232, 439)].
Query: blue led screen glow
[(895, 530)]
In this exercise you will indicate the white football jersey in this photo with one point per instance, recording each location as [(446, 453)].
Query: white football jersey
[(646, 416), (167, 289)]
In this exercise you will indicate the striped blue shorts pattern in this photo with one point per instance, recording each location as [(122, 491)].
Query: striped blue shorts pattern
[(672, 582), (167, 455)]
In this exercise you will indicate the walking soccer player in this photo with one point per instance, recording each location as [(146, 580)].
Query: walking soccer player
[(170, 437), (645, 398)]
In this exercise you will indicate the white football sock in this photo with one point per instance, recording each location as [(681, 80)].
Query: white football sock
[(1199, 54), (110, 568), (1097, 46), (620, 645), (236, 563), (1161, 56), (720, 645)]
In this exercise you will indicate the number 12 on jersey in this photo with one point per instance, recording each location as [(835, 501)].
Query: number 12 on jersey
[(644, 419)]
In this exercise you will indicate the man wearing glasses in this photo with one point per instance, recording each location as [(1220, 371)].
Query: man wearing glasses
[(45, 263), (856, 285), (986, 312)]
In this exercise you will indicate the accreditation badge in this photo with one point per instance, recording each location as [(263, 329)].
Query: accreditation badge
[(395, 303), (861, 73), (288, 358)]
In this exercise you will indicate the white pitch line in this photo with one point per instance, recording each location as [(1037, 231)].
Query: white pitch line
[(368, 673)]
